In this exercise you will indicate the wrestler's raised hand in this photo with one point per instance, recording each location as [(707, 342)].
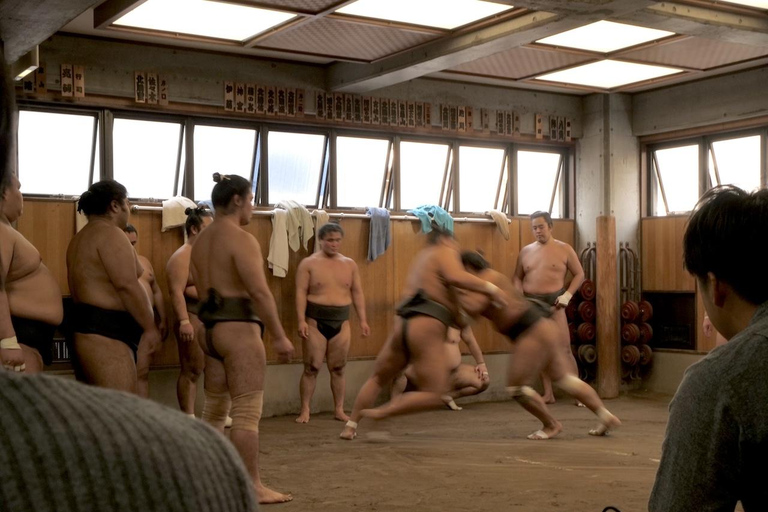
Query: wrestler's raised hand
[(283, 348), (304, 329)]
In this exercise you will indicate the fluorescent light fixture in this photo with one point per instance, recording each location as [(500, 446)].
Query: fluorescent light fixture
[(605, 36), (26, 64), (203, 18), (608, 74), (447, 14), (759, 4)]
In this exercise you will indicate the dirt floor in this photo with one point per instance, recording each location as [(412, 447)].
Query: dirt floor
[(475, 459)]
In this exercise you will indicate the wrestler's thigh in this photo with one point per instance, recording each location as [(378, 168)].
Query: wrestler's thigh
[(338, 347), (191, 356), (391, 359), (33, 361), (429, 359), (105, 362), (239, 343), (533, 352), (215, 376), (314, 346), (465, 376)]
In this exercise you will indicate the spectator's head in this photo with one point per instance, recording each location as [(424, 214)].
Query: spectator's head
[(197, 220), (232, 194), (541, 224), (725, 245), (108, 198)]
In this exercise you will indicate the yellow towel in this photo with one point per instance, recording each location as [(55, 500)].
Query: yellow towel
[(501, 222), (173, 212), (278, 256)]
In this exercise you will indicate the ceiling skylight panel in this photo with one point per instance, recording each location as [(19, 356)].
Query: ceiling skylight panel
[(608, 74), (605, 36), (203, 18), (447, 14)]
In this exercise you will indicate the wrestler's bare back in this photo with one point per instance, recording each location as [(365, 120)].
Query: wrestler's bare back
[(544, 266), (221, 254), (330, 279), (426, 274), (88, 279)]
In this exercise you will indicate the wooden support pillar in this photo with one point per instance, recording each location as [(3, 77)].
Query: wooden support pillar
[(608, 339)]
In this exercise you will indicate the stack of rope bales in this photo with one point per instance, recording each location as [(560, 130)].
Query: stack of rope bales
[(581, 313), (636, 333)]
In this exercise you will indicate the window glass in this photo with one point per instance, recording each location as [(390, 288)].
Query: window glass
[(55, 152), (679, 170), (145, 156), (480, 170), (422, 167), (295, 165), (737, 162), (223, 150), (360, 167), (536, 180)]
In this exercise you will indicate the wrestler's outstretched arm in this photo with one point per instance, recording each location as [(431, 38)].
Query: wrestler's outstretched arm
[(249, 263), (455, 275)]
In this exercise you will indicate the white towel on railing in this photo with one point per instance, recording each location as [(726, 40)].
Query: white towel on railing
[(278, 256), (173, 212), (298, 223), (501, 222), (321, 218)]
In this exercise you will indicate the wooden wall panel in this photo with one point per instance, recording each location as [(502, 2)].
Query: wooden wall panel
[(49, 226), (662, 255)]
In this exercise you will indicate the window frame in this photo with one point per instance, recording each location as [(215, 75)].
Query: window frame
[(563, 178), (704, 143), (96, 139), (326, 194)]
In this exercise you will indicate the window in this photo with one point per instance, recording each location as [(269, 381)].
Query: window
[(222, 150), (482, 173), (539, 180), (735, 162), (146, 155), (295, 163), (361, 165), (675, 177), (57, 152), (423, 173)]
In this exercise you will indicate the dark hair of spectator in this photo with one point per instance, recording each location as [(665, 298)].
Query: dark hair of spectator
[(726, 235)]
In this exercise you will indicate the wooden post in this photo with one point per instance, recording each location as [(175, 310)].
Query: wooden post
[(608, 346)]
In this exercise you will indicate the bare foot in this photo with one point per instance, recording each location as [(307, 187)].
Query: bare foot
[(607, 422), (340, 416), (450, 403), (267, 496), (546, 432), (349, 433), (578, 404), (303, 417), (228, 423), (550, 399)]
